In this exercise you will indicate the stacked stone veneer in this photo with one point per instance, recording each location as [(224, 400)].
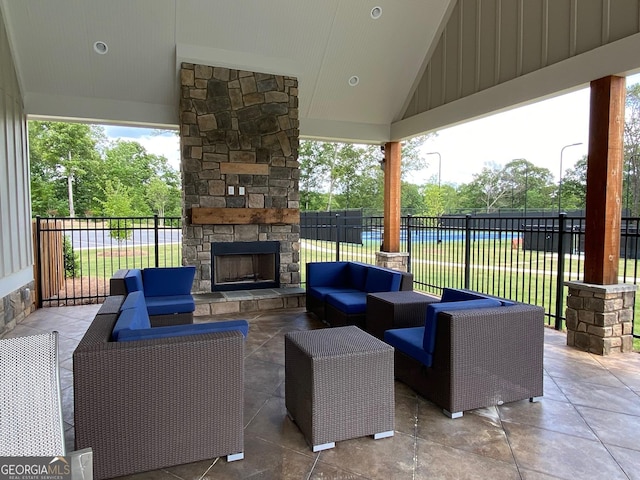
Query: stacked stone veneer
[(237, 117), (599, 317), (16, 306), (396, 261)]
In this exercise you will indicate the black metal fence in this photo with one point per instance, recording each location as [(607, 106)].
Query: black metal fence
[(94, 248), (514, 257)]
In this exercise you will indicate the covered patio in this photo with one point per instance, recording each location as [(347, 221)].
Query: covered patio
[(586, 425), (375, 73)]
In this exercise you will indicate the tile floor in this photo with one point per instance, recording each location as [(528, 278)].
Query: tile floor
[(586, 426)]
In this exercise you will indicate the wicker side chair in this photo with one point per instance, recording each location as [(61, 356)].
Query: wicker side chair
[(31, 406), (482, 357), (149, 404)]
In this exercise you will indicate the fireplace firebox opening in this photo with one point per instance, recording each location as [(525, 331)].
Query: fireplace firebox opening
[(245, 265)]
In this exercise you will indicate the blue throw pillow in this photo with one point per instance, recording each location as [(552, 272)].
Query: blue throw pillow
[(433, 309)]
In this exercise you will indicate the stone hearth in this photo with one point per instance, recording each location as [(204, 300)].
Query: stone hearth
[(239, 151)]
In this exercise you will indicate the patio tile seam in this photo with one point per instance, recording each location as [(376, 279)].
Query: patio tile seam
[(509, 444), (309, 454)]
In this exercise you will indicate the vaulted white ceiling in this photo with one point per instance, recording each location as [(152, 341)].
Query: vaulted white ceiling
[(423, 65), (321, 42)]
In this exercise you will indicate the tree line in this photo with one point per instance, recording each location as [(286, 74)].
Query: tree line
[(76, 171), (339, 176)]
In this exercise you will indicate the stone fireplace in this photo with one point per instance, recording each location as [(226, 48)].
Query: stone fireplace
[(239, 166)]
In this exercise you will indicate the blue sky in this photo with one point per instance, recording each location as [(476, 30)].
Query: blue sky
[(536, 132)]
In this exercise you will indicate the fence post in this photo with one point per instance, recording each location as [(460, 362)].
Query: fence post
[(39, 257), (467, 250), (409, 217), (156, 239), (337, 237), (560, 274)]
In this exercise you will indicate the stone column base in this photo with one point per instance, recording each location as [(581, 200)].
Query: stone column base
[(599, 317), (395, 261)]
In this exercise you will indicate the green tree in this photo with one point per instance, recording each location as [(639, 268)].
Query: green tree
[(61, 154), (574, 186), (631, 169), (349, 174), (117, 203)]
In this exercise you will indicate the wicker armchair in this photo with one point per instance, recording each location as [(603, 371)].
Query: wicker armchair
[(150, 404), (482, 357)]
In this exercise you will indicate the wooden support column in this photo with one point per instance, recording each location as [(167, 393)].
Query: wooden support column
[(604, 181), (392, 163)]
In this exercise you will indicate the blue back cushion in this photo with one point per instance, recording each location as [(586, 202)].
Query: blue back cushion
[(455, 295), (132, 319), (379, 280), (327, 274), (163, 281), (182, 330), (357, 275), (133, 280), (433, 309), (134, 300)]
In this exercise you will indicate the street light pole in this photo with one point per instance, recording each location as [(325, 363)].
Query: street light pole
[(560, 180)]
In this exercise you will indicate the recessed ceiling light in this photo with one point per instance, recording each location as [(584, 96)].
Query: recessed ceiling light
[(353, 81), (100, 48), (376, 12)]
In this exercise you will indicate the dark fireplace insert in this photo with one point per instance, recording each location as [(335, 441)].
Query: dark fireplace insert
[(245, 265)]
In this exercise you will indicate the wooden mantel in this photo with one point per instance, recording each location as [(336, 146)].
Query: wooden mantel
[(244, 216)]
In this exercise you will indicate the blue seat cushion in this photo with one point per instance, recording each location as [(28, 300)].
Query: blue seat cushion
[(183, 330), (357, 275), (164, 281), (133, 280), (409, 342), (349, 303), (322, 292), (130, 320), (327, 274), (170, 304), (134, 300), (433, 309), (379, 280)]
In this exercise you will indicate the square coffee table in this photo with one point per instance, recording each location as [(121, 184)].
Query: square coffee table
[(339, 385)]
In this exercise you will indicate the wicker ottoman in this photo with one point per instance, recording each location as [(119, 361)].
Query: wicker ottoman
[(339, 385), (387, 310)]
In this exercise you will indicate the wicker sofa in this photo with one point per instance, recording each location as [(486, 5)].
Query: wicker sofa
[(167, 292), (149, 404), (484, 353), (336, 292)]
